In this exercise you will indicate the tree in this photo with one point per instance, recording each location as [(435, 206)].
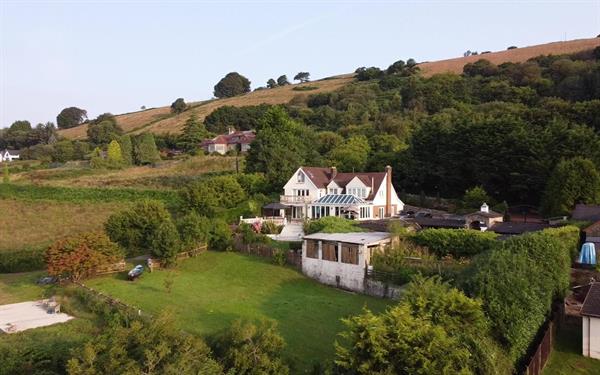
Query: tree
[(20, 125), (193, 134), (573, 181), (250, 349), (282, 80), (193, 230), (271, 83), (114, 155), (126, 149), (178, 106), (475, 197), (141, 228), (165, 243), (351, 155), (96, 159), (70, 117), (79, 256), (220, 236), (434, 329), (302, 77), (145, 150), (156, 346), (366, 74), (232, 84), (206, 197), (103, 132)]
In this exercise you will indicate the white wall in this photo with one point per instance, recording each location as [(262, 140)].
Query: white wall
[(307, 184), (591, 337)]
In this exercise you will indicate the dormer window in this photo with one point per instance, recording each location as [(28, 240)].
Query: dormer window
[(300, 177)]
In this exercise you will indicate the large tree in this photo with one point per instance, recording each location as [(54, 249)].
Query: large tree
[(351, 155), (145, 150), (232, 84), (70, 117), (178, 106), (193, 134), (283, 80), (573, 181), (302, 77)]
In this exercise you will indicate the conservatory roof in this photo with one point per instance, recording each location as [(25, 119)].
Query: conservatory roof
[(340, 199)]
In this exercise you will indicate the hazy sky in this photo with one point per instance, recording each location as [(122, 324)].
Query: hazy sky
[(115, 56)]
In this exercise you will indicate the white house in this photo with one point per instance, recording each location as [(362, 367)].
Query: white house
[(7, 155), (590, 315), (341, 259), (314, 192), (233, 140)]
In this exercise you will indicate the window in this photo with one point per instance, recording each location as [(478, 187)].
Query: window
[(312, 249), (333, 191), (349, 253), (300, 177), (329, 251), (381, 212), (381, 193), (363, 193), (365, 212)]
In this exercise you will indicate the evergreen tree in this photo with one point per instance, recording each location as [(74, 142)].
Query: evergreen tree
[(145, 150), (96, 160), (126, 149), (114, 155), (193, 134)]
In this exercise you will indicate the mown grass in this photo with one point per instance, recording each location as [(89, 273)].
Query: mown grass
[(35, 224), (211, 291), (566, 357), (20, 287)]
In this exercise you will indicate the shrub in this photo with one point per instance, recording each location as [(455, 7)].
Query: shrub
[(305, 88), (78, 257), (178, 106), (331, 224), (458, 243), (22, 261), (194, 230), (269, 227), (279, 257), (205, 197), (165, 243), (569, 236), (220, 236)]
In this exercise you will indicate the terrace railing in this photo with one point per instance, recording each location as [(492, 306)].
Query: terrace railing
[(295, 199)]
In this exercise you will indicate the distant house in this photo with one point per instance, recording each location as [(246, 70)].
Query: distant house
[(483, 219), (341, 259), (586, 212), (315, 192), (232, 141), (590, 314), (8, 155)]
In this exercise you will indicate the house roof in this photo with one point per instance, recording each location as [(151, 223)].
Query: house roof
[(275, 206), (321, 177), (591, 304), (237, 137), (360, 238), (490, 214), (11, 152), (593, 230), (430, 222), (510, 227), (340, 199), (587, 212)]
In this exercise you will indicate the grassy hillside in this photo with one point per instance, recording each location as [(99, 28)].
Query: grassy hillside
[(160, 120)]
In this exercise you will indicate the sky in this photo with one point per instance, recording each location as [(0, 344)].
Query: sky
[(116, 56)]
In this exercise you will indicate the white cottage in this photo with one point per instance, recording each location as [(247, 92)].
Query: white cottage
[(7, 155), (314, 192)]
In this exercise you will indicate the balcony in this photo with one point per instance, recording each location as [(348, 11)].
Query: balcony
[(295, 199)]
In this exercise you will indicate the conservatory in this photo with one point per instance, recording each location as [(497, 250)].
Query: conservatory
[(342, 205)]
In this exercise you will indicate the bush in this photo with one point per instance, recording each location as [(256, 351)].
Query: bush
[(166, 243), (331, 224), (305, 88), (22, 261), (569, 236), (78, 257), (220, 236), (269, 227), (279, 257), (194, 230), (206, 197), (459, 243)]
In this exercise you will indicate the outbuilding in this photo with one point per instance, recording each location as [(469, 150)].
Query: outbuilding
[(590, 315), (341, 259)]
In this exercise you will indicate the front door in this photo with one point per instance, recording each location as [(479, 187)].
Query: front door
[(296, 212)]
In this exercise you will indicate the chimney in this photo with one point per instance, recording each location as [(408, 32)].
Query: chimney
[(485, 208), (372, 186), (333, 172), (230, 130), (388, 191)]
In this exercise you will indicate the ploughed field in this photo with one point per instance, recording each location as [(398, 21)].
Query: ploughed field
[(212, 290)]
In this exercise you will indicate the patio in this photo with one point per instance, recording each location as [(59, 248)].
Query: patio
[(19, 317)]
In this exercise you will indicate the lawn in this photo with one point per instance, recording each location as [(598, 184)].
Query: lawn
[(20, 287), (211, 291), (566, 358), (28, 224)]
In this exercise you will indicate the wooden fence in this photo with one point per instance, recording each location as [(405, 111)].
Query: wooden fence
[(115, 303), (542, 353), (155, 263), (112, 268), (293, 258)]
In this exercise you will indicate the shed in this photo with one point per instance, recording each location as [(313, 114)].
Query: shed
[(590, 314)]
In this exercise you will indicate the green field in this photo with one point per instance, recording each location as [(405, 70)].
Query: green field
[(214, 289), (566, 358)]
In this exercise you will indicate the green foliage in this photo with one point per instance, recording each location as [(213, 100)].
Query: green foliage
[(157, 346), (165, 242), (402, 68), (331, 224), (243, 118), (302, 77), (271, 83), (114, 155), (475, 197), (96, 159), (126, 149), (458, 243), (232, 84), (140, 229), (220, 236), (70, 117), (517, 283), (5, 174), (178, 106), (145, 150), (253, 183), (366, 74), (305, 88), (351, 155), (250, 349), (193, 134), (101, 133), (269, 227), (573, 181), (22, 261), (434, 329), (282, 80), (194, 230), (208, 196), (279, 257)]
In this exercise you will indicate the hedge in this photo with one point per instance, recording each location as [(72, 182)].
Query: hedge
[(22, 260), (569, 236), (459, 243)]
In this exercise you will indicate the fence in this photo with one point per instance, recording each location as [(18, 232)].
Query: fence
[(542, 353), (112, 268), (155, 263), (293, 258), (128, 310)]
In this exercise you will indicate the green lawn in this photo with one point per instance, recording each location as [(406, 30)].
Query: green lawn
[(566, 358), (214, 289), (20, 287)]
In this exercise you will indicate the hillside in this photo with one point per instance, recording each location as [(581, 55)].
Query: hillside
[(160, 120)]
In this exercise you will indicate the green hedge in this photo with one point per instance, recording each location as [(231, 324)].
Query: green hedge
[(459, 243), (569, 236), (22, 261)]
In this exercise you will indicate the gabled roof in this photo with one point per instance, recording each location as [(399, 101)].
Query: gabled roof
[(490, 214), (237, 137), (587, 212), (591, 305), (593, 230), (340, 199), (321, 177)]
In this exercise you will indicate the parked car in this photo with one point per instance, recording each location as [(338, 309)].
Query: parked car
[(47, 280), (135, 272)]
